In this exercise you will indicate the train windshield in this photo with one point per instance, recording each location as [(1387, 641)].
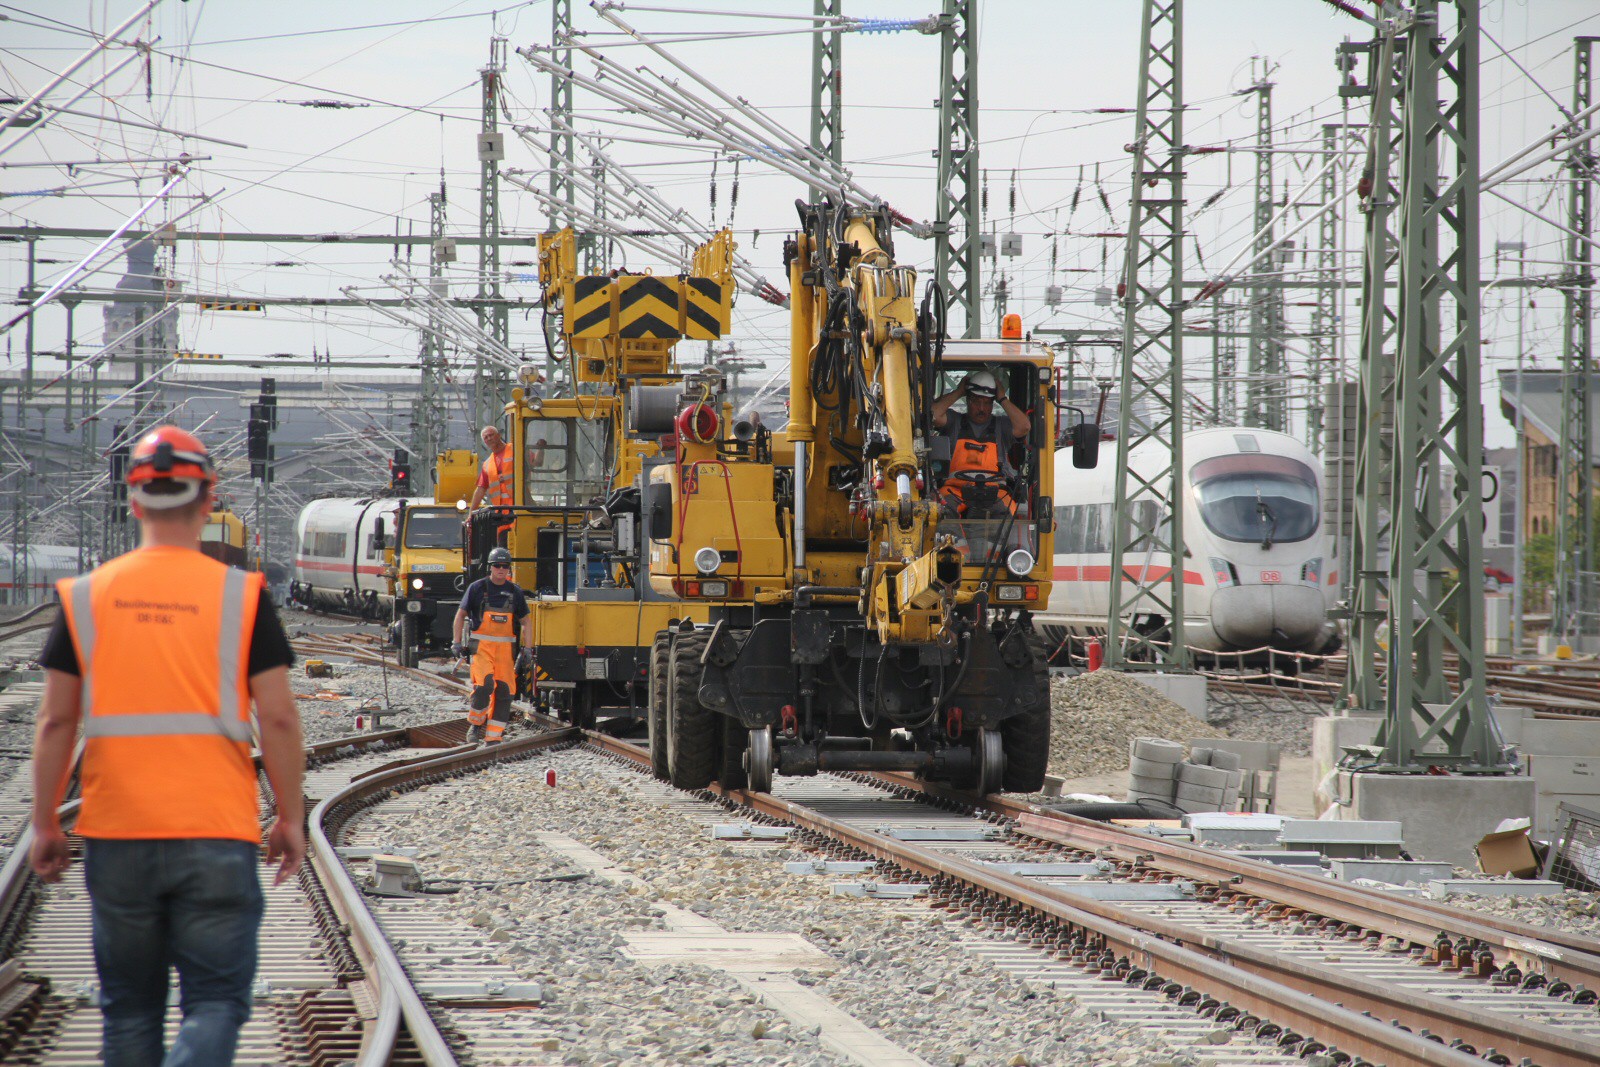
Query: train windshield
[(433, 529), (1259, 498), (566, 460)]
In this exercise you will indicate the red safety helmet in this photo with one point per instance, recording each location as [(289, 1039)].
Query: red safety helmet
[(167, 453)]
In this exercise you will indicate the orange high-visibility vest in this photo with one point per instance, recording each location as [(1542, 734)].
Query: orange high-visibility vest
[(163, 642), (496, 467)]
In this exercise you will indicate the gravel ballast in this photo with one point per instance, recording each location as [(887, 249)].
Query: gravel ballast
[(1096, 715), (900, 969)]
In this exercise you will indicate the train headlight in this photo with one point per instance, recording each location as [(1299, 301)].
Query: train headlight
[(714, 589), (1312, 571), (1020, 562), (1009, 592), (707, 560), (416, 583), (1222, 571)]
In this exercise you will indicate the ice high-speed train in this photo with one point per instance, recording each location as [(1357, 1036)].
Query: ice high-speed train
[(338, 565), (1258, 571)]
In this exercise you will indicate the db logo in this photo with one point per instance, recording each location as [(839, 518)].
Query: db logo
[(1271, 577)]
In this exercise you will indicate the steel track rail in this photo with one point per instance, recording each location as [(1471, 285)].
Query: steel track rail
[(16, 875), (1291, 995), (399, 1001), (1573, 959), (1334, 1006)]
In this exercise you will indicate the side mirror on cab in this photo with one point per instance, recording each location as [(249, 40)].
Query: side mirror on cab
[(379, 541), (1086, 446)]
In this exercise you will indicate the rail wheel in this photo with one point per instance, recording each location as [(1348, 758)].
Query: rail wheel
[(991, 760), (759, 759), (656, 703), (692, 734), (1025, 738)]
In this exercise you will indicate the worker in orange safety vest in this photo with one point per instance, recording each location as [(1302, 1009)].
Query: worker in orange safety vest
[(159, 654), (979, 444), (498, 610)]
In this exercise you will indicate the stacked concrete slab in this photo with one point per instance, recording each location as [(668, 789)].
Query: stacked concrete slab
[(1153, 769), (1207, 780)]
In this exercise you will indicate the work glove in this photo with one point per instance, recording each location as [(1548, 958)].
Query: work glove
[(458, 650), (525, 659)]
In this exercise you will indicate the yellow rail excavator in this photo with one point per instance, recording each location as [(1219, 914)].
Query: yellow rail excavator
[(870, 589), (573, 528)]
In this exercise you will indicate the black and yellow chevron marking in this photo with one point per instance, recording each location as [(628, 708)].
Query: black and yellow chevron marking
[(648, 306), (196, 355), (588, 306), (211, 305), (705, 309)]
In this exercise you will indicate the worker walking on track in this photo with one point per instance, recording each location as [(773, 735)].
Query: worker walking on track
[(159, 653), (497, 609)]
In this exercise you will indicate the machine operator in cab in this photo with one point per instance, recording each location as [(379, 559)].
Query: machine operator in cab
[(980, 447), (495, 479), (498, 611)]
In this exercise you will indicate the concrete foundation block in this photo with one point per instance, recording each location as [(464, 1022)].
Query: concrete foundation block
[(1369, 833), (1395, 872), (1493, 887), (1228, 829), (1330, 735), (1560, 737), (1188, 691), (1442, 816)]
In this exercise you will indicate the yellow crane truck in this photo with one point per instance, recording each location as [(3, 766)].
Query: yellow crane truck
[(573, 529), (870, 608)]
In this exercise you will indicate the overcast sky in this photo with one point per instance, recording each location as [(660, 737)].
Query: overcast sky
[(239, 71)]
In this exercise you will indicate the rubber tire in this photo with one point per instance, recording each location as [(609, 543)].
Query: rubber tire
[(693, 734), (730, 762), (1025, 737), (656, 703)]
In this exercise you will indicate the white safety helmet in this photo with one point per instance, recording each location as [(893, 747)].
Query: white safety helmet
[(982, 383)]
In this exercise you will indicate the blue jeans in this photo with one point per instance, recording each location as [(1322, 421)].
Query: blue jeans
[(191, 904)]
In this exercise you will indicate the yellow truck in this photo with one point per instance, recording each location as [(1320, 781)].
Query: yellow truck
[(426, 559)]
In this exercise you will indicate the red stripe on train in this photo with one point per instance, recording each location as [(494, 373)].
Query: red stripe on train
[(342, 568), (1103, 574)]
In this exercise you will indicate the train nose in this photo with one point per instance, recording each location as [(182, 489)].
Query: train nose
[(1288, 617)]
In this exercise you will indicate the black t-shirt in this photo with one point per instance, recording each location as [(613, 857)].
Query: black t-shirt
[(483, 595), (269, 645)]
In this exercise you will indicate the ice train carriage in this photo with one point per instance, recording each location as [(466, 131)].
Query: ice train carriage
[(338, 565), (1259, 573), (45, 564)]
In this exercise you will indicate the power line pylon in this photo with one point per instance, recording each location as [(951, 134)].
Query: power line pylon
[(1574, 472), (827, 88), (1266, 388), (428, 414), (563, 150), (1325, 324), (1374, 414), (958, 216), (1437, 527), (491, 384), (1146, 620)]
